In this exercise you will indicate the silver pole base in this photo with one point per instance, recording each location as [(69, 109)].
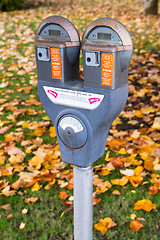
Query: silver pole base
[(83, 203)]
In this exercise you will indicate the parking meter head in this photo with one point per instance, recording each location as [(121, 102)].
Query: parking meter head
[(57, 50), (82, 111), (107, 50)]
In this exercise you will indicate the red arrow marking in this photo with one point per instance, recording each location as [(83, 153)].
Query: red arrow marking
[(54, 94), (93, 100)]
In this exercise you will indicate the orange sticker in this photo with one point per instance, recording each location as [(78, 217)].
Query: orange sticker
[(106, 69), (56, 63)]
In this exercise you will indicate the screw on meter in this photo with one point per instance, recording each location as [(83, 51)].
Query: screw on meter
[(72, 132)]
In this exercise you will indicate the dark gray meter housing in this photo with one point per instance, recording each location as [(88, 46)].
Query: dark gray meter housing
[(82, 111), (107, 51), (57, 49)]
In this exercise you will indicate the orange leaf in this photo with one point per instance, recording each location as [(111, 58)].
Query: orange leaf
[(116, 192), (117, 162), (32, 199), (63, 195), (36, 187), (123, 181), (153, 190), (136, 225), (104, 225), (144, 204), (9, 216), (148, 165)]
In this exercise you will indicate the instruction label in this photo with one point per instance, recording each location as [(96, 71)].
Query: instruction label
[(56, 63), (106, 69), (73, 98)]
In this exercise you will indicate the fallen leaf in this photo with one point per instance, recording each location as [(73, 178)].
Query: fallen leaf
[(153, 190), (32, 199), (104, 225), (116, 192), (123, 181), (117, 163), (136, 225), (133, 216), (22, 225), (127, 172), (63, 195), (24, 211), (5, 207), (144, 204), (5, 129), (36, 187), (9, 216)]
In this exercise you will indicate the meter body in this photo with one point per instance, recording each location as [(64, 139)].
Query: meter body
[(82, 111)]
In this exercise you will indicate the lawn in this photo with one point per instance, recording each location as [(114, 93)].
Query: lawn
[(36, 187)]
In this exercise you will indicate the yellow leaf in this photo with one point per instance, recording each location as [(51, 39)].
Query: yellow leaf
[(144, 204), (138, 169), (36, 187), (135, 180), (136, 225), (16, 158), (37, 161), (32, 199), (104, 225), (123, 181), (52, 132), (148, 165), (116, 121), (122, 151), (6, 170), (25, 125)]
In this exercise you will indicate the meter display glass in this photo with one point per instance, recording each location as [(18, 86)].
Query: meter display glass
[(105, 36), (54, 32)]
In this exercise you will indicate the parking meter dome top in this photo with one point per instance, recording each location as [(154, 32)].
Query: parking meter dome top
[(113, 27), (59, 29)]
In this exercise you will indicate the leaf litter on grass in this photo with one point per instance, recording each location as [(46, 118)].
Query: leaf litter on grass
[(28, 145)]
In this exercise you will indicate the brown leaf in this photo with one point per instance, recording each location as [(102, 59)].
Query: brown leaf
[(5, 207), (117, 162), (5, 129)]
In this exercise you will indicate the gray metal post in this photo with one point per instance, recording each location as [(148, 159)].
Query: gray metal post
[(83, 203)]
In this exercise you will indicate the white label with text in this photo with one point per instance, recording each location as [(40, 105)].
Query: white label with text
[(72, 98)]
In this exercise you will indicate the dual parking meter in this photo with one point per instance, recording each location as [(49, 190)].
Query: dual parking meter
[(82, 111)]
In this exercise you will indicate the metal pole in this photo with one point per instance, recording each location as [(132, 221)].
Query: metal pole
[(83, 203)]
